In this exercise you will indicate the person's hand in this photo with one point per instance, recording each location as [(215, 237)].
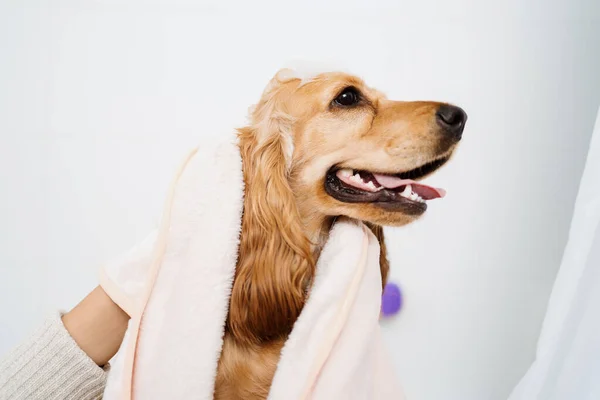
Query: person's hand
[(98, 325)]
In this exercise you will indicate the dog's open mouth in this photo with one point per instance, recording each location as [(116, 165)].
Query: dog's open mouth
[(394, 192)]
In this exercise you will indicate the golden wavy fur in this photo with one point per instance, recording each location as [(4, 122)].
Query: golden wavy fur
[(298, 134)]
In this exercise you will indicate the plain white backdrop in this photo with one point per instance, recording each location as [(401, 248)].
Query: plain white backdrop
[(99, 101), (567, 361)]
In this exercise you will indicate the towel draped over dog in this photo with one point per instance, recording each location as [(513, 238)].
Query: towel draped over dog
[(176, 285)]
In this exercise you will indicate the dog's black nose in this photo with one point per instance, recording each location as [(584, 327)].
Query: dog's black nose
[(452, 119)]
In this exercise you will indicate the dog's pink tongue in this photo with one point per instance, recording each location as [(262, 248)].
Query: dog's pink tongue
[(426, 192)]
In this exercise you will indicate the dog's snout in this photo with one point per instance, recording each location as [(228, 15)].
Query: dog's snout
[(452, 119)]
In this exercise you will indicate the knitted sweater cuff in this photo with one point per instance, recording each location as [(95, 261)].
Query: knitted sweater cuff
[(50, 365)]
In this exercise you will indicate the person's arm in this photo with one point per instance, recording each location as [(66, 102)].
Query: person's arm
[(64, 358), (98, 325)]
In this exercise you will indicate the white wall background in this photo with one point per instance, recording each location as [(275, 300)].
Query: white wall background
[(100, 100)]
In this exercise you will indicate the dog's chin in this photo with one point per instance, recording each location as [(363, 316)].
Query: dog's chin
[(375, 214)]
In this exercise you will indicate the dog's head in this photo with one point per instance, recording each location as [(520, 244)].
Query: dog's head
[(350, 151), (321, 147)]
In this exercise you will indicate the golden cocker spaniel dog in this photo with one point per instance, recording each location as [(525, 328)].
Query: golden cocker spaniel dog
[(317, 149)]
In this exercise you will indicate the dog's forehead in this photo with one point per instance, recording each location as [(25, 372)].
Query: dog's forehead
[(327, 78), (308, 72)]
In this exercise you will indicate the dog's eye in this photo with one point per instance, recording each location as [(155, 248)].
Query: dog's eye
[(348, 97)]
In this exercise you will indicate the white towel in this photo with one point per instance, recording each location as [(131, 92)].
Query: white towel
[(176, 284)]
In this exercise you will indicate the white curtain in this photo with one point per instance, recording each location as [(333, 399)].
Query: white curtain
[(567, 364)]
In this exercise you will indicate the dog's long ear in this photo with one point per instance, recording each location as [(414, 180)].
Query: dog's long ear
[(275, 263), (383, 259)]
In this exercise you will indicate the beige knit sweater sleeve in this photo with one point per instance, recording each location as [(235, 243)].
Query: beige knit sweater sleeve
[(50, 365)]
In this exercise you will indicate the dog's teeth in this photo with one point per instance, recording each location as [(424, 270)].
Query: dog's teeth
[(357, 178), (407, 191), (371, 185), (346, 172)]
